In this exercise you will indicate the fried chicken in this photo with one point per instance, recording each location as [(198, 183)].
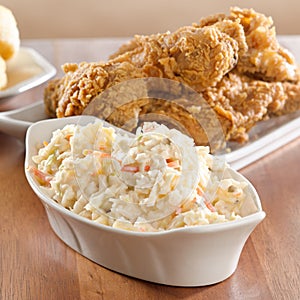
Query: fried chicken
[(234, 62), (265, 59), (198, 57)]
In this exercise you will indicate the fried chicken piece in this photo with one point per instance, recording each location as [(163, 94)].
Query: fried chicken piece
[(241, 102), (292, 103), (168, 102), (265, 58), (198, 57), (238, 103), (234, 62), (261, 56)]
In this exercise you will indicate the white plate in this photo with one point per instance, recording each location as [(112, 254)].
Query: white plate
[(16, 122), (265, 137), (26, 70)]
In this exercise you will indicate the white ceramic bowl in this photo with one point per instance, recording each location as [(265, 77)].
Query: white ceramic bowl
[(191, 256)]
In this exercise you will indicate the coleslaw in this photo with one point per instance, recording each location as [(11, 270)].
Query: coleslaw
[(154, 180)]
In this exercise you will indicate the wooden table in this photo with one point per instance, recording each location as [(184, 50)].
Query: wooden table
[(35, 264)]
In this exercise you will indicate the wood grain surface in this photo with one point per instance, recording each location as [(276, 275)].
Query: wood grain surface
[(36, 264)]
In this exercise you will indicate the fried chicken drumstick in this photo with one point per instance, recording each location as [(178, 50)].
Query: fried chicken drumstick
[(234, 62), (199, 57)]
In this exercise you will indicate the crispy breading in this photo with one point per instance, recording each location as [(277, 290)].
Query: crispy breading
[(232, 61), (265, 59), (198, 57), (241, 102)]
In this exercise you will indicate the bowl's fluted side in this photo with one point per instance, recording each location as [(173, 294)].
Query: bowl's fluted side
[(190, 257)]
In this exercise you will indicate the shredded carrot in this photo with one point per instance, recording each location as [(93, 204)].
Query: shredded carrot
[(173, 163), (209, 206), (68, 136), (206, 202), (98, 153), (130, 168), (199, 191), (42, 177), (147, 168), (103, 154), (102, 147), (178, 211)]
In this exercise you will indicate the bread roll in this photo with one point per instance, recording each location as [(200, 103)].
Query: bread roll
[(3, 76), (9, 34)]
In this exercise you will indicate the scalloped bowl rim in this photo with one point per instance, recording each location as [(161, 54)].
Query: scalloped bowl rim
[(260, 214)]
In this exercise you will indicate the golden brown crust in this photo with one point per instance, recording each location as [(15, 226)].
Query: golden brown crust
[(243, 102), (234, 62), (264, 59), (199, 57)]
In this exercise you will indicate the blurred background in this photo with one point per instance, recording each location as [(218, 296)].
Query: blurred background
[(116, 18)]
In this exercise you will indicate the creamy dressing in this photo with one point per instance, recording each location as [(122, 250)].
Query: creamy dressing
[(156, 180)]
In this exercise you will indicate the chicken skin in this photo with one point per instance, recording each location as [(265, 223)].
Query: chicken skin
[(234, 62)]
